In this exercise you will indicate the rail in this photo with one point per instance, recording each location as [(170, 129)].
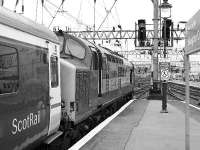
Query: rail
[(177, 90)]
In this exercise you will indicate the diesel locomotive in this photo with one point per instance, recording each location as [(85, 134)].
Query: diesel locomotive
[(57, 86)]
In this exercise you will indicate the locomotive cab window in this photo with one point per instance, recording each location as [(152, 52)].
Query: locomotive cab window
[(74, 48), (54, 71), (9, 71)]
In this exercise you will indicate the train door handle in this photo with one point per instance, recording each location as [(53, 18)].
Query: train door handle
[(50, 97)]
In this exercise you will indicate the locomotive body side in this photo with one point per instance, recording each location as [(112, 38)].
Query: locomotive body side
[(75, 66), (27, 97), (116, 75), (90, 78), (127, 78)]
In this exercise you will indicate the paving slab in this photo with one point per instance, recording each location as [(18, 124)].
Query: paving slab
[(116, 134), (142, 127), (163, 131)]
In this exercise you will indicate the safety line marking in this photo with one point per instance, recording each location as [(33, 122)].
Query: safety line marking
[(97, 129), (192, 105)]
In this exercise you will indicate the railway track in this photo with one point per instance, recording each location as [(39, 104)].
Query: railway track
[(178, 91)]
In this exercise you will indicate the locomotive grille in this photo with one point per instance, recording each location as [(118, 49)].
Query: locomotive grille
[(82, 87)]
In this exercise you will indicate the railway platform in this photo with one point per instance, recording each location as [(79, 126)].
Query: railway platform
[(141, 126)]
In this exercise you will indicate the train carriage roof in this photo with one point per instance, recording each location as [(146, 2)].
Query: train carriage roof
[(23, 24), (105, 51), (127, 63), (88, 44)]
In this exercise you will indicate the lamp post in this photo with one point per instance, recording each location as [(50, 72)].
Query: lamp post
[(165, 9)]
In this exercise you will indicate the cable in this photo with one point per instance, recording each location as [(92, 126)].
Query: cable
[(107, 14), (36, 11), (97, 12), (79, 22), (22, 6), (67, 13), (48, 11), (52, 4), (117, 15), (80, 7), (17, 1), (42, 10), (114, 18), (104, 5), (56, 13)]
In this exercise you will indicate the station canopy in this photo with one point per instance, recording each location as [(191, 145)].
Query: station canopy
[(192, 42)]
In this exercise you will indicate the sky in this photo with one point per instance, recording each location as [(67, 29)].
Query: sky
[(124, 12), (80, 13)]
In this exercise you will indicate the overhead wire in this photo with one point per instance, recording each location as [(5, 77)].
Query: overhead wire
[(52, 3), (106, 10), (104, 5), (77, 19), (80, 8), (70, 15), (42, 1), (117, 15), (107, 14), (98, 4), (114, 18), (56, 13), (16, 3), (79, 12), (36, 11), (48, 11), (22, 6), (97, 12)]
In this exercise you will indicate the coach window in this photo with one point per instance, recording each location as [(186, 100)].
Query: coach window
[(108, 57), (104, 67), (95, 59), (75, 49), (9, 71), (54, 71)]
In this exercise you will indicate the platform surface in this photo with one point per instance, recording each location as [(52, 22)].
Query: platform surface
[(142, 127)]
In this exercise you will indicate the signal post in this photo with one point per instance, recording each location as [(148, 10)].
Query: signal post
[(155, 49), (165, 9)]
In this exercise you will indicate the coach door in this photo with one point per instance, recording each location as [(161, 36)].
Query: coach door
[(54, 92)]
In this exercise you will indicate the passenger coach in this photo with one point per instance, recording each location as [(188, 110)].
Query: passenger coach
[(30, 103)]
